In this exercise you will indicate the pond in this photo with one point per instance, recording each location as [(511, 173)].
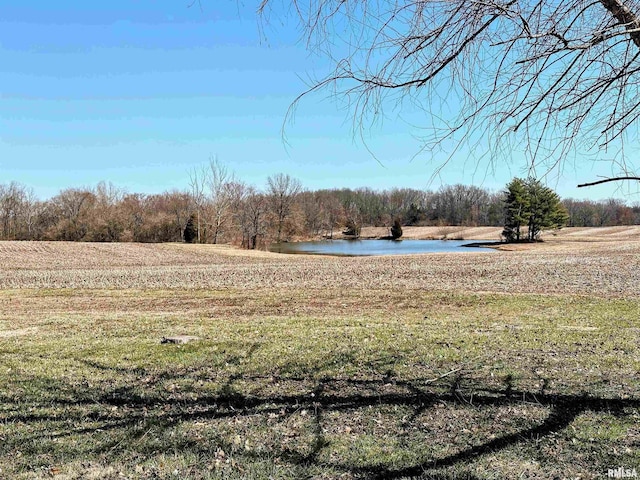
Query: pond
[(377, 247)]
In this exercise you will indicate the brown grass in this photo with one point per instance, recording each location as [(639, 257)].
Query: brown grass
[(578, 234), (588, 268)]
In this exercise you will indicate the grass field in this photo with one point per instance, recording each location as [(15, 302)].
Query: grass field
[(515, 364)]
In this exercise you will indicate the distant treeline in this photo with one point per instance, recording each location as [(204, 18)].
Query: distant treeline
[(224, 209)]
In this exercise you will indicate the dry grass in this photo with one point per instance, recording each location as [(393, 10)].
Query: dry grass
[(591, 268), (569, 234), (427, 366)]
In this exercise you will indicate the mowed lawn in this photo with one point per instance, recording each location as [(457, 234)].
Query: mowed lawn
[(522, 364)]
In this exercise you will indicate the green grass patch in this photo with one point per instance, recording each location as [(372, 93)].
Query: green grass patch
[(317, 384)]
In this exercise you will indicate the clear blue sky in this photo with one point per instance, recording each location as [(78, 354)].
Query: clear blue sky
[(139, 92)]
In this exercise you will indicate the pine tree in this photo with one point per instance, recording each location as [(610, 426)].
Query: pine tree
[(516, 209), (396, 230), (529, 203), (191, 231), (545, 209)]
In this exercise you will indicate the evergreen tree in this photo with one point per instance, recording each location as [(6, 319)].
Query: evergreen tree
[(396, 230), (529, 203), (191, 231), (545, 209), (516, 209)]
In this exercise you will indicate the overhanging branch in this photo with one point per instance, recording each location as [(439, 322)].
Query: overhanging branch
[(614, 179)]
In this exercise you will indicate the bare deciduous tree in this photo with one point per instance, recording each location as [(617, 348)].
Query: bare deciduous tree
[(282, 190), (197, 184), (107, 224), (70, 212), (179, 204), (17, 211), (211, 189), (220, 182), (249, 208), (557, 77), (332, 212)]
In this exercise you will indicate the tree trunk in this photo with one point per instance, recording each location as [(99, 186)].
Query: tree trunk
[(626, 17)]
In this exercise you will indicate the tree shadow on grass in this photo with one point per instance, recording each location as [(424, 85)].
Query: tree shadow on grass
[(141, 403)]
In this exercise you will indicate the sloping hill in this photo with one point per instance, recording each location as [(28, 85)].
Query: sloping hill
[(592, 234)]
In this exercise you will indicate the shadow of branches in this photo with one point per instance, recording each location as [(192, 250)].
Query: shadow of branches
[(145, 403)]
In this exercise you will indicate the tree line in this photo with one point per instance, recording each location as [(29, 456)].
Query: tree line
[(224, 209)]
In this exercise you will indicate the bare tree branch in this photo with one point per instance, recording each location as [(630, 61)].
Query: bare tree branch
[(614, 179), (553, 78)]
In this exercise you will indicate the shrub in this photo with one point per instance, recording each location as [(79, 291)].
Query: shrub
[(396, 229), (352, 229)]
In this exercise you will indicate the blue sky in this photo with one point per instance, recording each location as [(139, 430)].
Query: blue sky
[(138, 93)]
